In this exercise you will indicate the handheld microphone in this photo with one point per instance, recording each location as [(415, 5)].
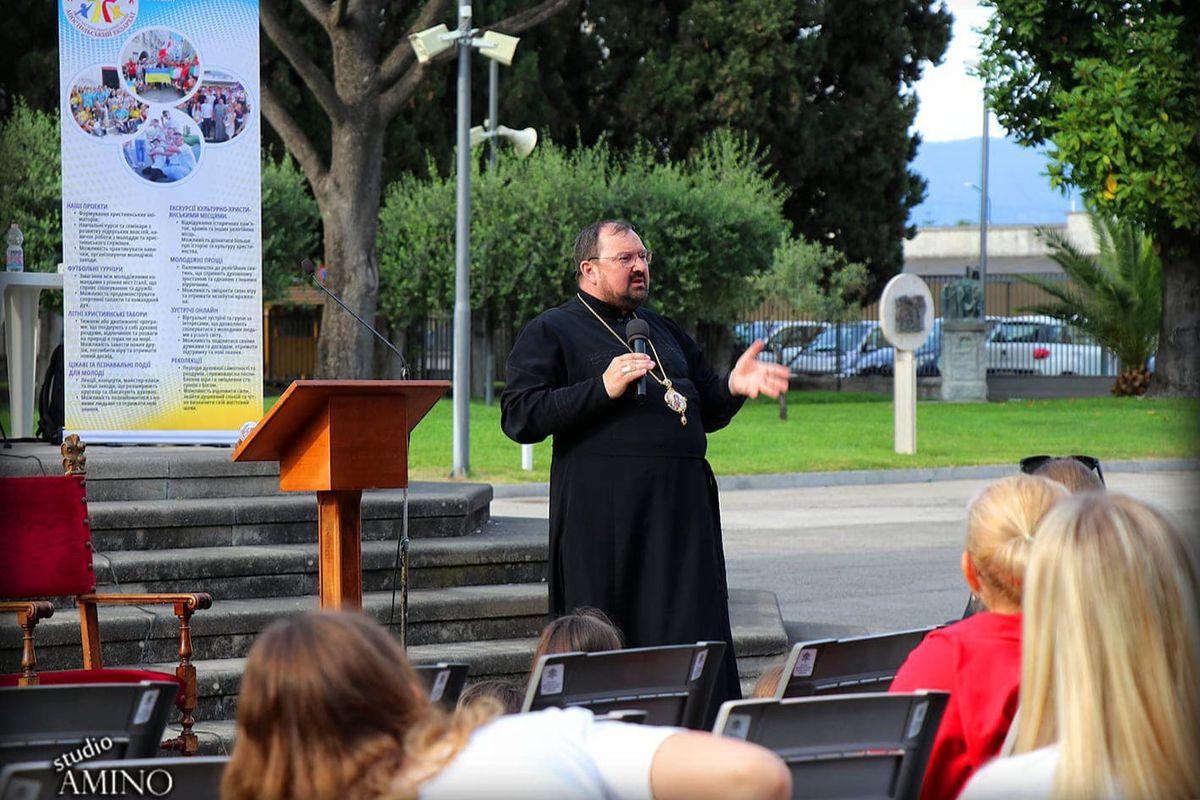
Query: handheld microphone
[(310, 270), (636, 335)]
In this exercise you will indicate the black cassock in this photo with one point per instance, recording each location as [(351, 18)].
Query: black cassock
[(635, 526)]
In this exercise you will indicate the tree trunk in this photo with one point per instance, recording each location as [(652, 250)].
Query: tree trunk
[(1176, 372), (349, 200)]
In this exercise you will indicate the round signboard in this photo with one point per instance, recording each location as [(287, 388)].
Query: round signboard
[(906, 311)]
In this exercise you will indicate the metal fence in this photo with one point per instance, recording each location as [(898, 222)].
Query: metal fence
[(1017, 343)]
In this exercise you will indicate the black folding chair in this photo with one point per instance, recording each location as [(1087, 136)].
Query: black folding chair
[(672, 684), (180, 778), (851, 745), (843, 666), (443, 681), (120, 720)]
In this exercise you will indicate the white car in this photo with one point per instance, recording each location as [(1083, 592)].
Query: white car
[(1040, 345)]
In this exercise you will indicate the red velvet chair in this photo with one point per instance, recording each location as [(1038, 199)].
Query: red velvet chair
[(46, 549)]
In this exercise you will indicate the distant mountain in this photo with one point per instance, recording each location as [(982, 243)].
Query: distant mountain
[(1017, 182)]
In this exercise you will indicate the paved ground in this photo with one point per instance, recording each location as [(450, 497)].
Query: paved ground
[(846, 559)]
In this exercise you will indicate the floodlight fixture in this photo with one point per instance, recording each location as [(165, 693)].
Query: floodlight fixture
[(431, 41)]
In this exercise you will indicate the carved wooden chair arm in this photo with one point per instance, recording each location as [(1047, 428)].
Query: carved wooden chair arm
[(29, 613), (185, 604), (193, 601)]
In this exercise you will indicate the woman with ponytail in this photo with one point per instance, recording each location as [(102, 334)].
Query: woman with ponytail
[(978, 660)]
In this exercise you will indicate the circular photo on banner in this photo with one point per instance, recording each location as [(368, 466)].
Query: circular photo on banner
[(221, 106), (159, 65), (167, 149), (101, 109)]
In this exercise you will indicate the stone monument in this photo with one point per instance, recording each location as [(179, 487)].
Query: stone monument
[(963, 363)]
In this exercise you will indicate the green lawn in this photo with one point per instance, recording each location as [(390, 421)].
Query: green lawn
[(837, 431), (831, 431)]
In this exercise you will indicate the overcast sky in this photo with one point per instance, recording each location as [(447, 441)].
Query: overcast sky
[(951, 101)]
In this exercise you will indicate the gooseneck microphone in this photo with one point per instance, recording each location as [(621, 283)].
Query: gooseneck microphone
[(636, 335), (310, 269)]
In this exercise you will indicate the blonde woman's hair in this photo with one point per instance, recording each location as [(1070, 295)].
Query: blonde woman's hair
[(330, 708), (1111, 651), (1001, 522)]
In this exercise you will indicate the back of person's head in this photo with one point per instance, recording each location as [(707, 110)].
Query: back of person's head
[(767, 685), (1071, 474), (585, 630), (509, 695), (1001, 522), (330, 708), (1111, 653)]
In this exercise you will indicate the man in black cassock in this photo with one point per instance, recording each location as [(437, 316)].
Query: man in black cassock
[(635, 525)]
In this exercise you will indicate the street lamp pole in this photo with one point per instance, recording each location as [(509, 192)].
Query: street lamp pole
[(983, 207), (426, 45), (462, 255)]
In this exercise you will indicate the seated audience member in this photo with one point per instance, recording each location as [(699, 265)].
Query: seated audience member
[(767, 685), (586, 630), (508, 695), (1071, 474), (1110, 701), (978, 660), (330, 710)]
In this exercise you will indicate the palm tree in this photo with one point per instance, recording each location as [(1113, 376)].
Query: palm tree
[(1115, 296)]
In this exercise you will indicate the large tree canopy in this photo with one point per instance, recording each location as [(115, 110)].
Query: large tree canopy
[(824, 85), (1114, 86)]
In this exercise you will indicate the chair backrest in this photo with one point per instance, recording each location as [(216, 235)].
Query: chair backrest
[(671, 683), (851, 745), (45, 542), (443, 681), (185, 778), (843, 666), (74, 722)]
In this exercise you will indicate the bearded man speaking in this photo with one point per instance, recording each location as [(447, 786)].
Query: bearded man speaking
[(635, 526)]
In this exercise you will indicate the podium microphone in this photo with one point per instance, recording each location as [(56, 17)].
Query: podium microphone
[(636, 335), (310, 270)]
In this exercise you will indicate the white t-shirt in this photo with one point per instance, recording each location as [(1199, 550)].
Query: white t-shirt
[(555, 754), (1028, 776)]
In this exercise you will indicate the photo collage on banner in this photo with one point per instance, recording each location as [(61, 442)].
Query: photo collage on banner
[(162, 200)]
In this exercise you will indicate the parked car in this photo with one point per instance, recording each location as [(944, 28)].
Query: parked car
[(835, 350), (745, 333), (879, 357), (1039, 345), (790, 338)]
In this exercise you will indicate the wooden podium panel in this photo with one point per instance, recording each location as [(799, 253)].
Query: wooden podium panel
[(337, 438)]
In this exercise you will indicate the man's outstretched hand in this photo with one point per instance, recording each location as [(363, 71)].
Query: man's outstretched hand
[(751, 377)]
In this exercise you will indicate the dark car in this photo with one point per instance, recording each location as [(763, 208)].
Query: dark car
[(879, 357)]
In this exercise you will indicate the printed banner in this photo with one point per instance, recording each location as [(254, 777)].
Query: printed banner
[(162, 245)]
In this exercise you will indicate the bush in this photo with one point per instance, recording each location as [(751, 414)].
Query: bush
[(714, 222), (30, 184), (290, 225)]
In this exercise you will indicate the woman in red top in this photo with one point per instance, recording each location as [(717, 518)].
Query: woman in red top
[(978, 660)]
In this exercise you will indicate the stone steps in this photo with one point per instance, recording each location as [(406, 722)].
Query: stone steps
[(227, 630), (434, 510), (500, 553)]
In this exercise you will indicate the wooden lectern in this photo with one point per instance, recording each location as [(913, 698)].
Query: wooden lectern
[(326, 436)]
